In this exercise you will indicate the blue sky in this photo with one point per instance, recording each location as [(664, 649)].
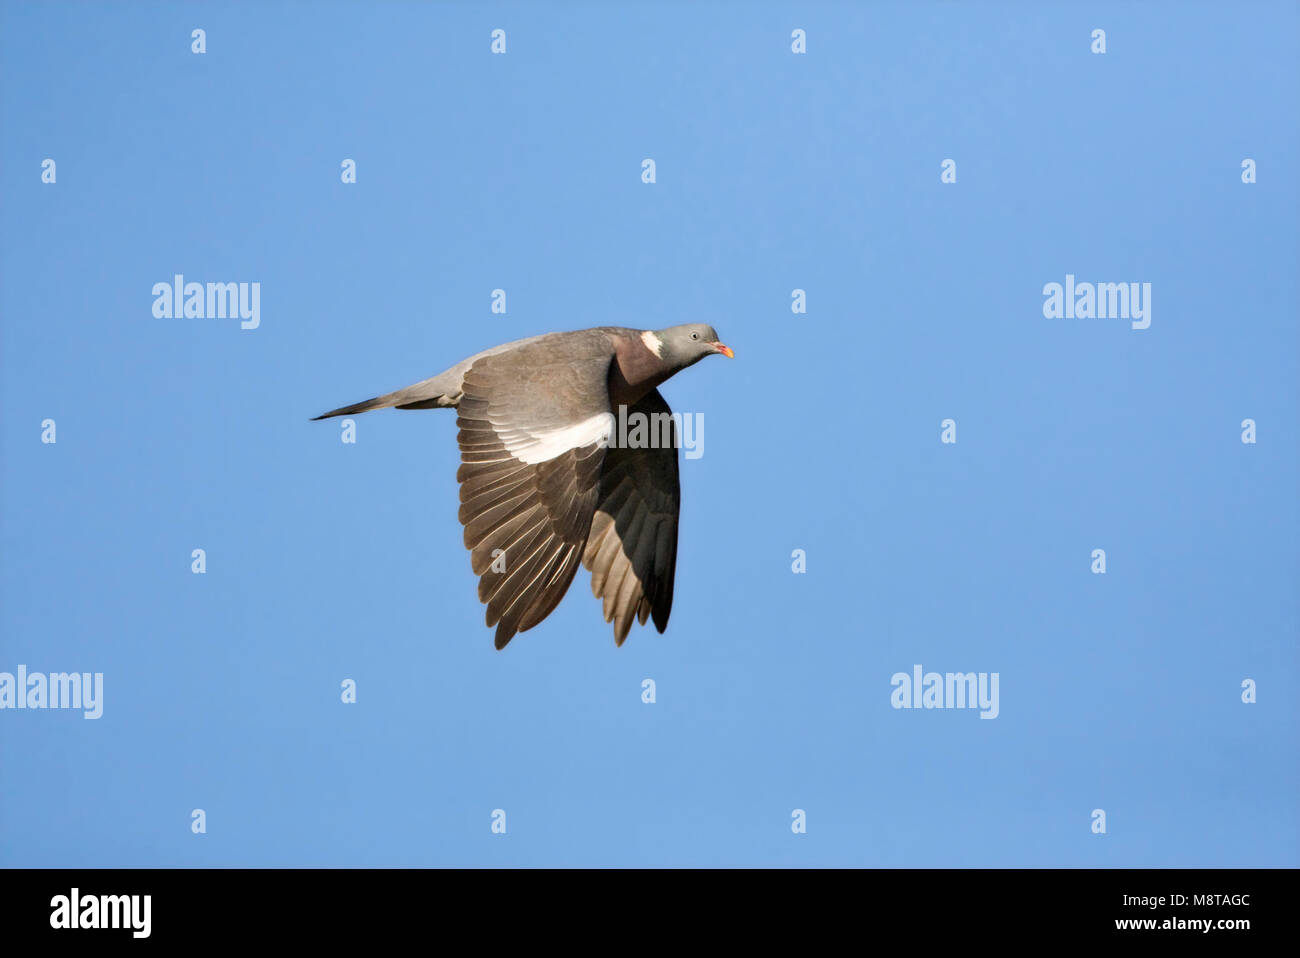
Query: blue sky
[(775, 171)]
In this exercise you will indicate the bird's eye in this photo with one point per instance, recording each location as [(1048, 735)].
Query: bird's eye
[(695, 335)]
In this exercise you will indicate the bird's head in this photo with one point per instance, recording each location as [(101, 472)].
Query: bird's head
[(681, 346)]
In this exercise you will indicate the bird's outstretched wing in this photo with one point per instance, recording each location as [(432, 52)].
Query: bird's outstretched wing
[(534, 425), (632, 547)]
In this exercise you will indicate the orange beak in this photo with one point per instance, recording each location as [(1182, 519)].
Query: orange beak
[(725, 350)]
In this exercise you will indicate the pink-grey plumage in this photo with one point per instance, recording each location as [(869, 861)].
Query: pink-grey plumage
[(543, 489)]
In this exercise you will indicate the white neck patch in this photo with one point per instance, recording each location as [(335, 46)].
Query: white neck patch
[(653, 343)]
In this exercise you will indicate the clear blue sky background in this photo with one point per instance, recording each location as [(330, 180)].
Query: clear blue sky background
[(329, 561)]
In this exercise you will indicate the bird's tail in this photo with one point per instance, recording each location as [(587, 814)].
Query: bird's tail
[(379, 402), (436, 393)]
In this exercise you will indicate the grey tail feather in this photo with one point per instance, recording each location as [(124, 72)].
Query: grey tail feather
[(376, 403), (436, 393)]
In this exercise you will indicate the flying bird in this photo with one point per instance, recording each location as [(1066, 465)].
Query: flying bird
[(544, 482)]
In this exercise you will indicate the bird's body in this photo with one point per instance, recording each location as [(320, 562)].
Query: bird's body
[(544, 485)]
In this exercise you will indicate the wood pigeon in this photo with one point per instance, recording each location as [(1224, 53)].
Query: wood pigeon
[(545, 482)]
